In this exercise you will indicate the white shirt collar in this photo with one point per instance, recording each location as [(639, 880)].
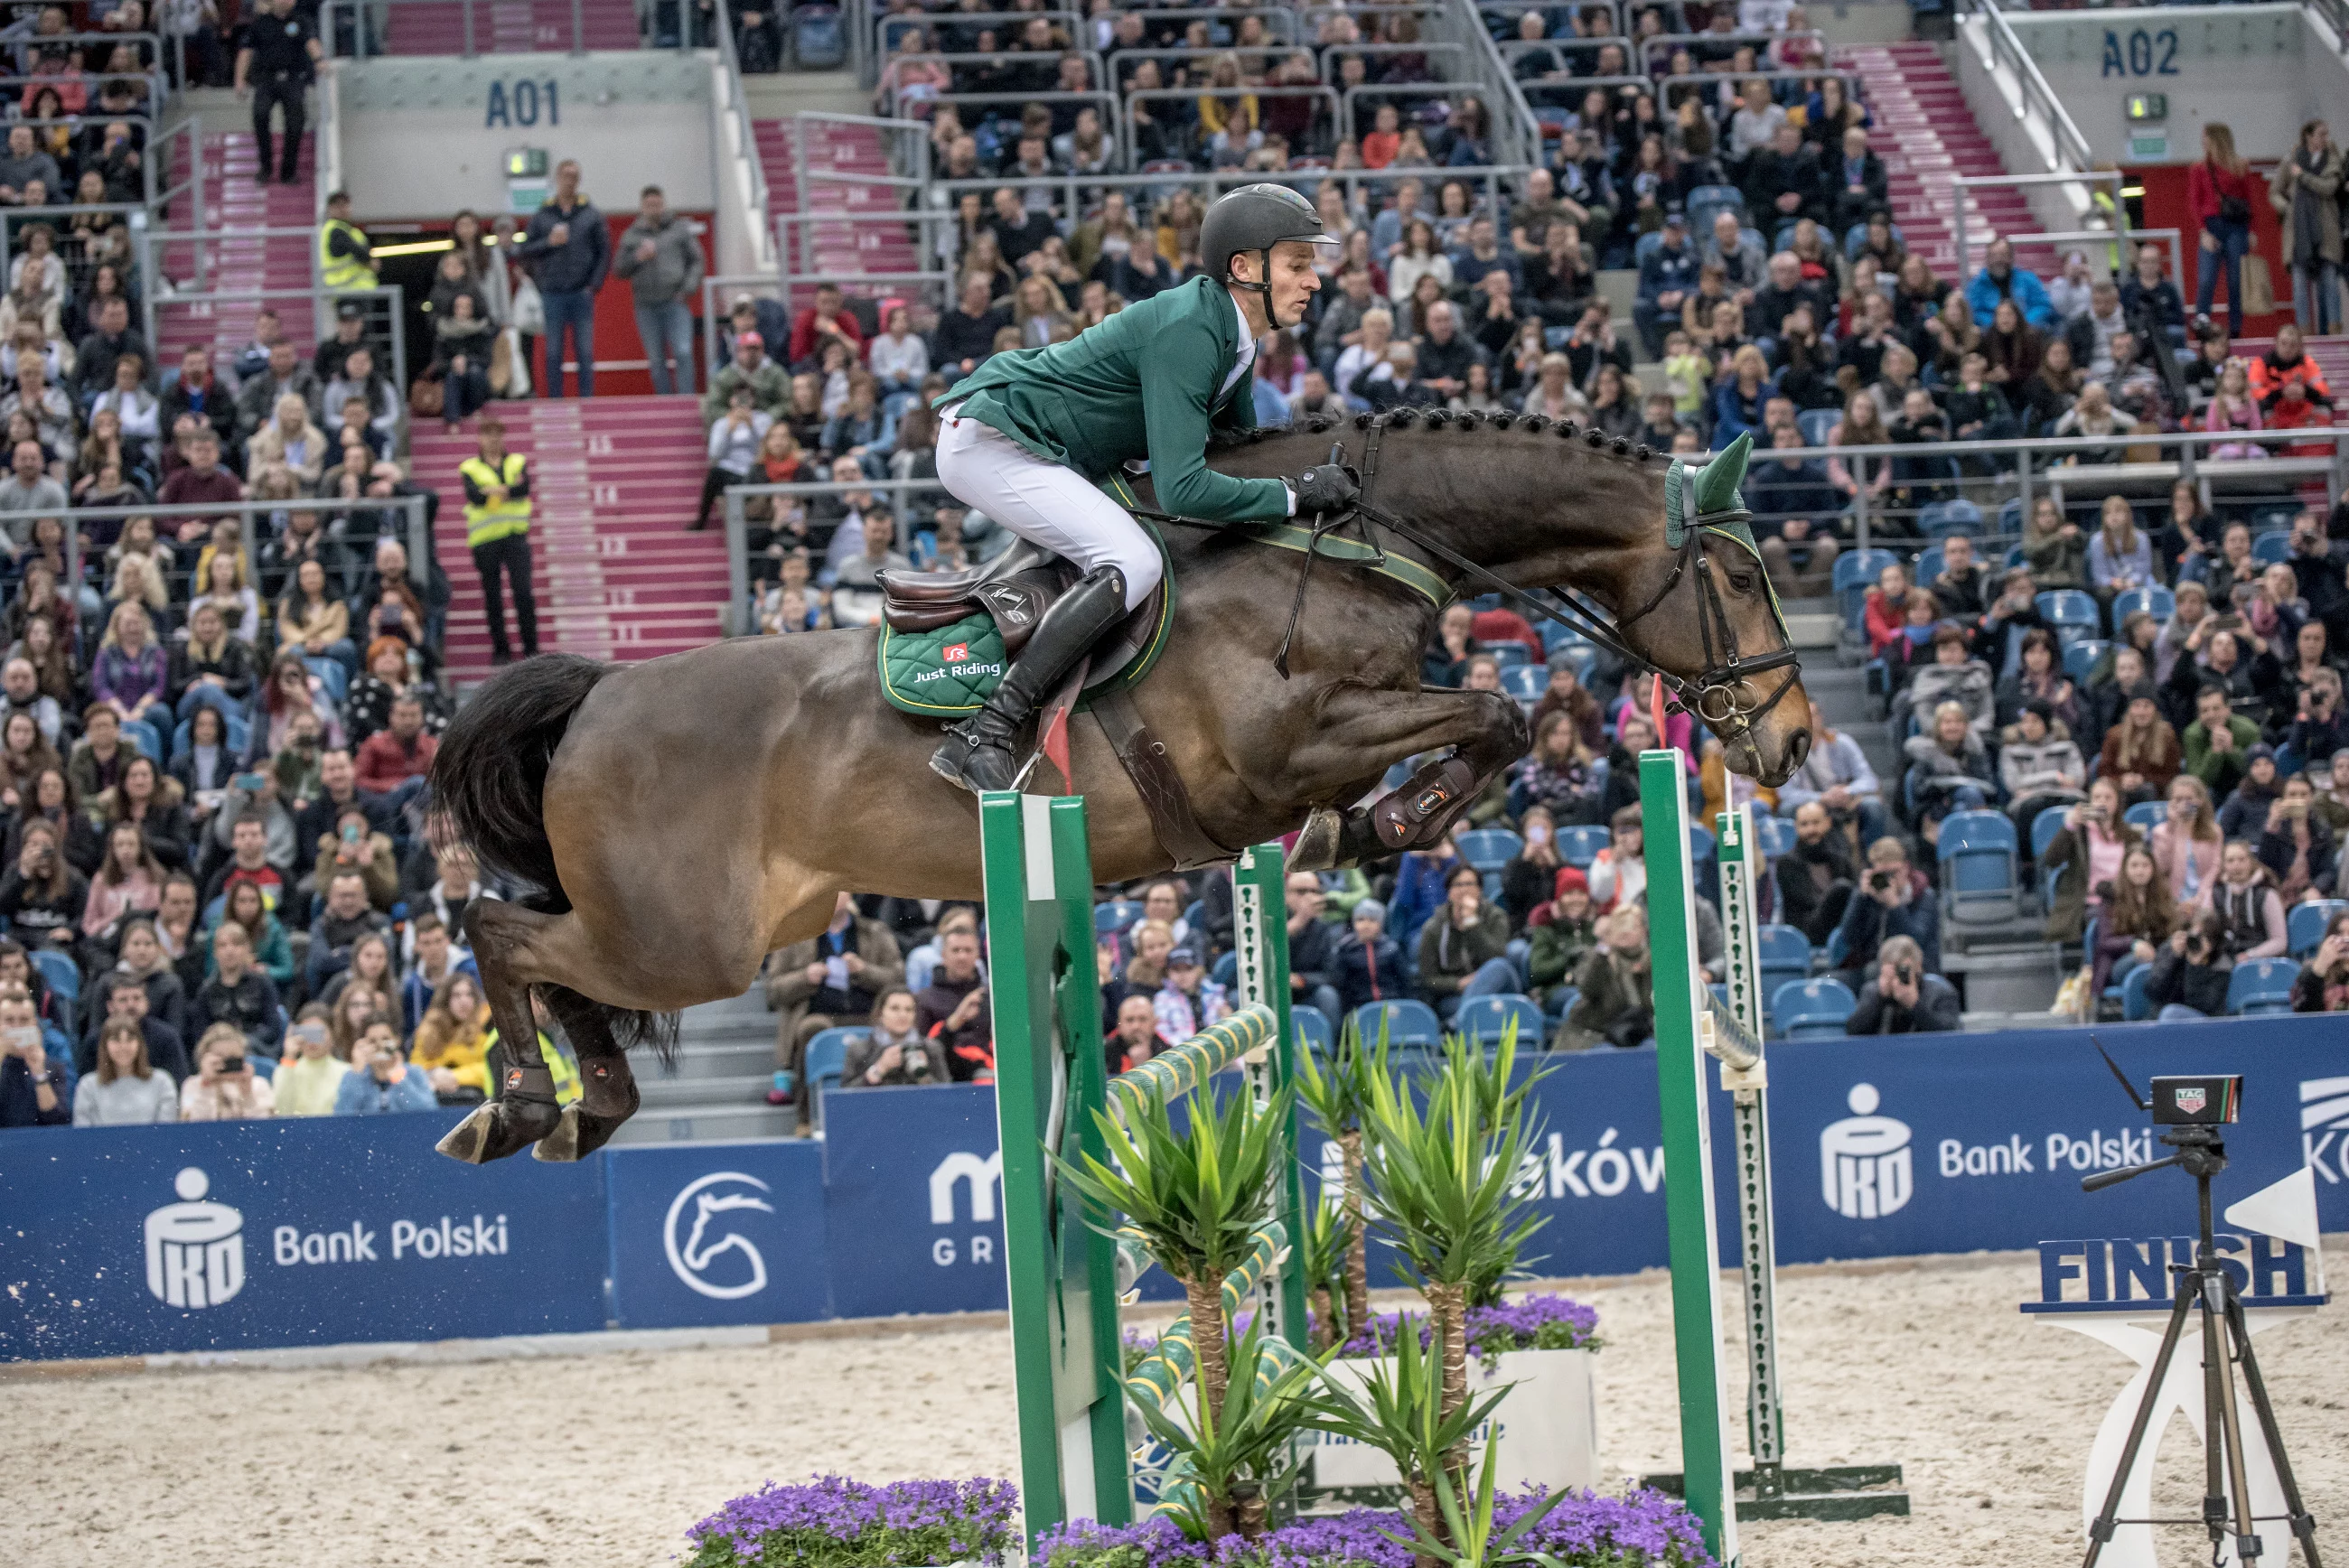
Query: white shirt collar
[(1247, 338)]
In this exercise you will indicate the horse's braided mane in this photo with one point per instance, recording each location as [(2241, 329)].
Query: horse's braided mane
[(1434, 419)]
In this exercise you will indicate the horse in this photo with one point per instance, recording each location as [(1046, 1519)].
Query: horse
[(676, 821)]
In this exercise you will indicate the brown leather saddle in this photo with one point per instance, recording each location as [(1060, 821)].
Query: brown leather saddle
[(1014, 590)]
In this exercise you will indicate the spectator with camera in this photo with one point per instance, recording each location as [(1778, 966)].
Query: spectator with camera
[(2192, 970), (814, 984), (2086, 854), (1893, 899), (1902, 998), (225, 1088), (893, 1051), (2323, 984), (310, 1078), (36, 1084), (2252, 922), (2296, 846), (381, 1082)]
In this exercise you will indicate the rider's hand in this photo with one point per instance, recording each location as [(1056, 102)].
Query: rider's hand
[(1325, 486)]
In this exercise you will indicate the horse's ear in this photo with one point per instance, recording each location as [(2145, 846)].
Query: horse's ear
[(1716, 483)]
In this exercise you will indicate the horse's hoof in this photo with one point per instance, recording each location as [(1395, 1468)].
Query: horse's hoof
[(560, 1146), (469, 1139), (1318, 841)]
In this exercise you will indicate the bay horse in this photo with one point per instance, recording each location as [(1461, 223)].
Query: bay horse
[(678, 819)]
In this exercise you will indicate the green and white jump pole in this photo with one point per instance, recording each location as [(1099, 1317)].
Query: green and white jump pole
[(1691, 1024), (1050, 1077)]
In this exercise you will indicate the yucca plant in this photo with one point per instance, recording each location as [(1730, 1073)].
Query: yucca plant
[(1237, 1453), (1398, 1410), (1499, 1104), (1321, 1259), (1468, 1538), (1198, 1198), (1445, 1194), (1338, 1098)]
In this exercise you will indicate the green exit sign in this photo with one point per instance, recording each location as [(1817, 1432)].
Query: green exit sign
[(2146, 109)]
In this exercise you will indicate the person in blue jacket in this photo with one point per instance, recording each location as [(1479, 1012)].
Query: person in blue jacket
[(1999, 279), (1740, 403), (1668, 276), (381, 1081)]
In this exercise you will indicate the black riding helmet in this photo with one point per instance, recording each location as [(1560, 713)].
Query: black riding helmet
[(1256, 218)]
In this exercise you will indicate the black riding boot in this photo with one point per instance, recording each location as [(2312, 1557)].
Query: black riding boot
[(977, 752)]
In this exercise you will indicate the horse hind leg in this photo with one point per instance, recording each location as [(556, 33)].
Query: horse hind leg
[(608, 1094), (525, 1109)]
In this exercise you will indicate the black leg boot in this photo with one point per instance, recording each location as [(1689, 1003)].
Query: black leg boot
[(977, 752)]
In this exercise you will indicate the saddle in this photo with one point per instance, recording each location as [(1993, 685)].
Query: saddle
[(1014, 590)]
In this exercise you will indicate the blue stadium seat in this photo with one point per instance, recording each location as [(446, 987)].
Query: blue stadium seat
[(1813, 1009), (332, 676), (1817, 424), (2158, 602), (1313, 1029), (1582, 655), (2270, 548), (1407, 1023), (820, 1067), (2010, 523), (1560, 999), (2305, 923), (2146, 815), (2073, 614), (1856, 572), (1978, 852), (2261, 985), (2137, 994), (2080, 658), (233, 725), (1580, 846), (1785, 955), (1115, 915), (1227, 971), (59, 970), (1524, 681), (817, 41), (2044, 828), (1944, 518), (1489, 848), (1509, 655), (1483, 1019), (1775, 835)]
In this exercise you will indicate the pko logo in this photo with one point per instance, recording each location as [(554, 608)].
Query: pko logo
[(1865, 1169), (195, 1250), (2324, 1126), (691, 1259)]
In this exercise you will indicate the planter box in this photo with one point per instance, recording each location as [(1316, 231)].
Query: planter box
[(1549, 1428)]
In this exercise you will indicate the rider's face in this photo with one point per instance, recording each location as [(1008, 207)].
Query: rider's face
[(1294, 281)]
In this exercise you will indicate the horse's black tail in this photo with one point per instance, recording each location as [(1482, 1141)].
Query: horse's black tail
[(489, 776)]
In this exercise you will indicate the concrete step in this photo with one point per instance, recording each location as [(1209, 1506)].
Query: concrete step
[(700, 1093), (707, 1122), (705, 1062)]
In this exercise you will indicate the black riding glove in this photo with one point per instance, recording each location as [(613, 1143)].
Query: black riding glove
[(1325, 486)]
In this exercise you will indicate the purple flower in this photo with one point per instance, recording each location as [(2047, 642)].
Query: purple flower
[(1529, 1322), (836, 1521)]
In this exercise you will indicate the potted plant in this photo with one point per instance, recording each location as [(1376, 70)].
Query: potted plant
[(833, 1522), (1336, 1255)]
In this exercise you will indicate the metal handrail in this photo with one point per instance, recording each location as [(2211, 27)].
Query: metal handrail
[(419, 542), (1511, 10), (1126, 123), (1671, 41), (1514, 49), (358, 10), (390, 296), (1398, 90), (738, 542), (1333, 56), (2073, 154), (1516, 134), (736, 110), (1959, 184), (931, 21)]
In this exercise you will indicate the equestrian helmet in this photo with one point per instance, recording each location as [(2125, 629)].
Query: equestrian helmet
[(1256, 218)]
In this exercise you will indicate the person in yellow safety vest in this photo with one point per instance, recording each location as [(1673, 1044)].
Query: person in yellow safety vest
[(497, 529), (2106, 213), (345, 263)]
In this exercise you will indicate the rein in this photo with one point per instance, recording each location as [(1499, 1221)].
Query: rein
[(1723, 694)]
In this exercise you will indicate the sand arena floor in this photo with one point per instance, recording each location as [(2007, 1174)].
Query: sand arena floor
[(601, 1461)]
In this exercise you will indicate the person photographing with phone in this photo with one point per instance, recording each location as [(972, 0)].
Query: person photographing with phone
[(1893, 899), (2323, 984), (381, 1082), (225, 1088), (1902, 999), (2296, 846), (37, 1088)]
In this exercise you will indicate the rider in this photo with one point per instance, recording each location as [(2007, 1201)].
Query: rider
[(1025, 436)]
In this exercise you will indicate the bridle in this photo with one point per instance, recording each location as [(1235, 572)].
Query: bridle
[(1724, 694)]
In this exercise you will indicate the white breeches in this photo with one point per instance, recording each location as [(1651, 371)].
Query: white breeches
[(1046, 503)]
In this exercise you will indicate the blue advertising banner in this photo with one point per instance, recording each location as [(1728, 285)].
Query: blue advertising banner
[(718, 1233), (222, 1237), (912, 1179)]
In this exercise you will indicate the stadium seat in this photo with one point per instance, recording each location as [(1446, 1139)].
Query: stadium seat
[(1977, 852), (1509, 655), (2137, 994), (1115, 915), (1484, 1019), (1524, 681), (1817, 424), (1489, 848), (1313, 1029), (2270, 548), (1775, 835), (826, 1055), (1944, 518), (1856, 572), (2073, 614), (233, 725), (2261, 985), (817, 42), (2305, 923), (2146, 815), (57, 970), (2160, 603), (331, 676), (1405, 1023), (1813, 1009), (2044, 828), (1580, 846), (1785, 955), (1929, 564), (2080, 658), (1227, 971)]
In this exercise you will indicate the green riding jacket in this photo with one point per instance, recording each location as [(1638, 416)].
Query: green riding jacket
[(1142, 383)]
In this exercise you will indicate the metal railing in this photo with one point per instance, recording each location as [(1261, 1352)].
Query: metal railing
[(1959, 184), (1514, 49), (385, 319), (735, 113), (2087, 240), (741, 618), (370, 27), (1346, 126), (1670, 42), (883, 45), (2071, 149), (1353, 182), (1515, 135), (1126, 123), (1333, 56)]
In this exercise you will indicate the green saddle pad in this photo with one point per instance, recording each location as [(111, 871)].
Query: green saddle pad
[(944, 673)]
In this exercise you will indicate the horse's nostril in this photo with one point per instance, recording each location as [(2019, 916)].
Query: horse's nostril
[(1798, 749)]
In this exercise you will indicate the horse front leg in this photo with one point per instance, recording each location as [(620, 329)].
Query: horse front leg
[(1364, 732)]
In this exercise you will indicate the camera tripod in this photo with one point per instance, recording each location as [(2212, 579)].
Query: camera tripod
[(2205, 1289)]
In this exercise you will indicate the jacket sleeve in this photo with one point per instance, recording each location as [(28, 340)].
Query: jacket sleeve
[(1937, 1009), (1868, 1018), (599, 240), (1178, 383), (624, 263)]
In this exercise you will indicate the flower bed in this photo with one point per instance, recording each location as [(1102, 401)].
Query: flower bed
[(1642, 1530), (1529, 1322), (833, 1522)]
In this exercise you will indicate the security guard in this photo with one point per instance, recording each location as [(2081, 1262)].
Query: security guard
[(497, 529), (346, 262), (280, 56)]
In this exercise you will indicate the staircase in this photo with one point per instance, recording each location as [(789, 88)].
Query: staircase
[(844, 250), (1926, 134), (232, 200), (614, 481), (718, 1086), (511, 27)]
